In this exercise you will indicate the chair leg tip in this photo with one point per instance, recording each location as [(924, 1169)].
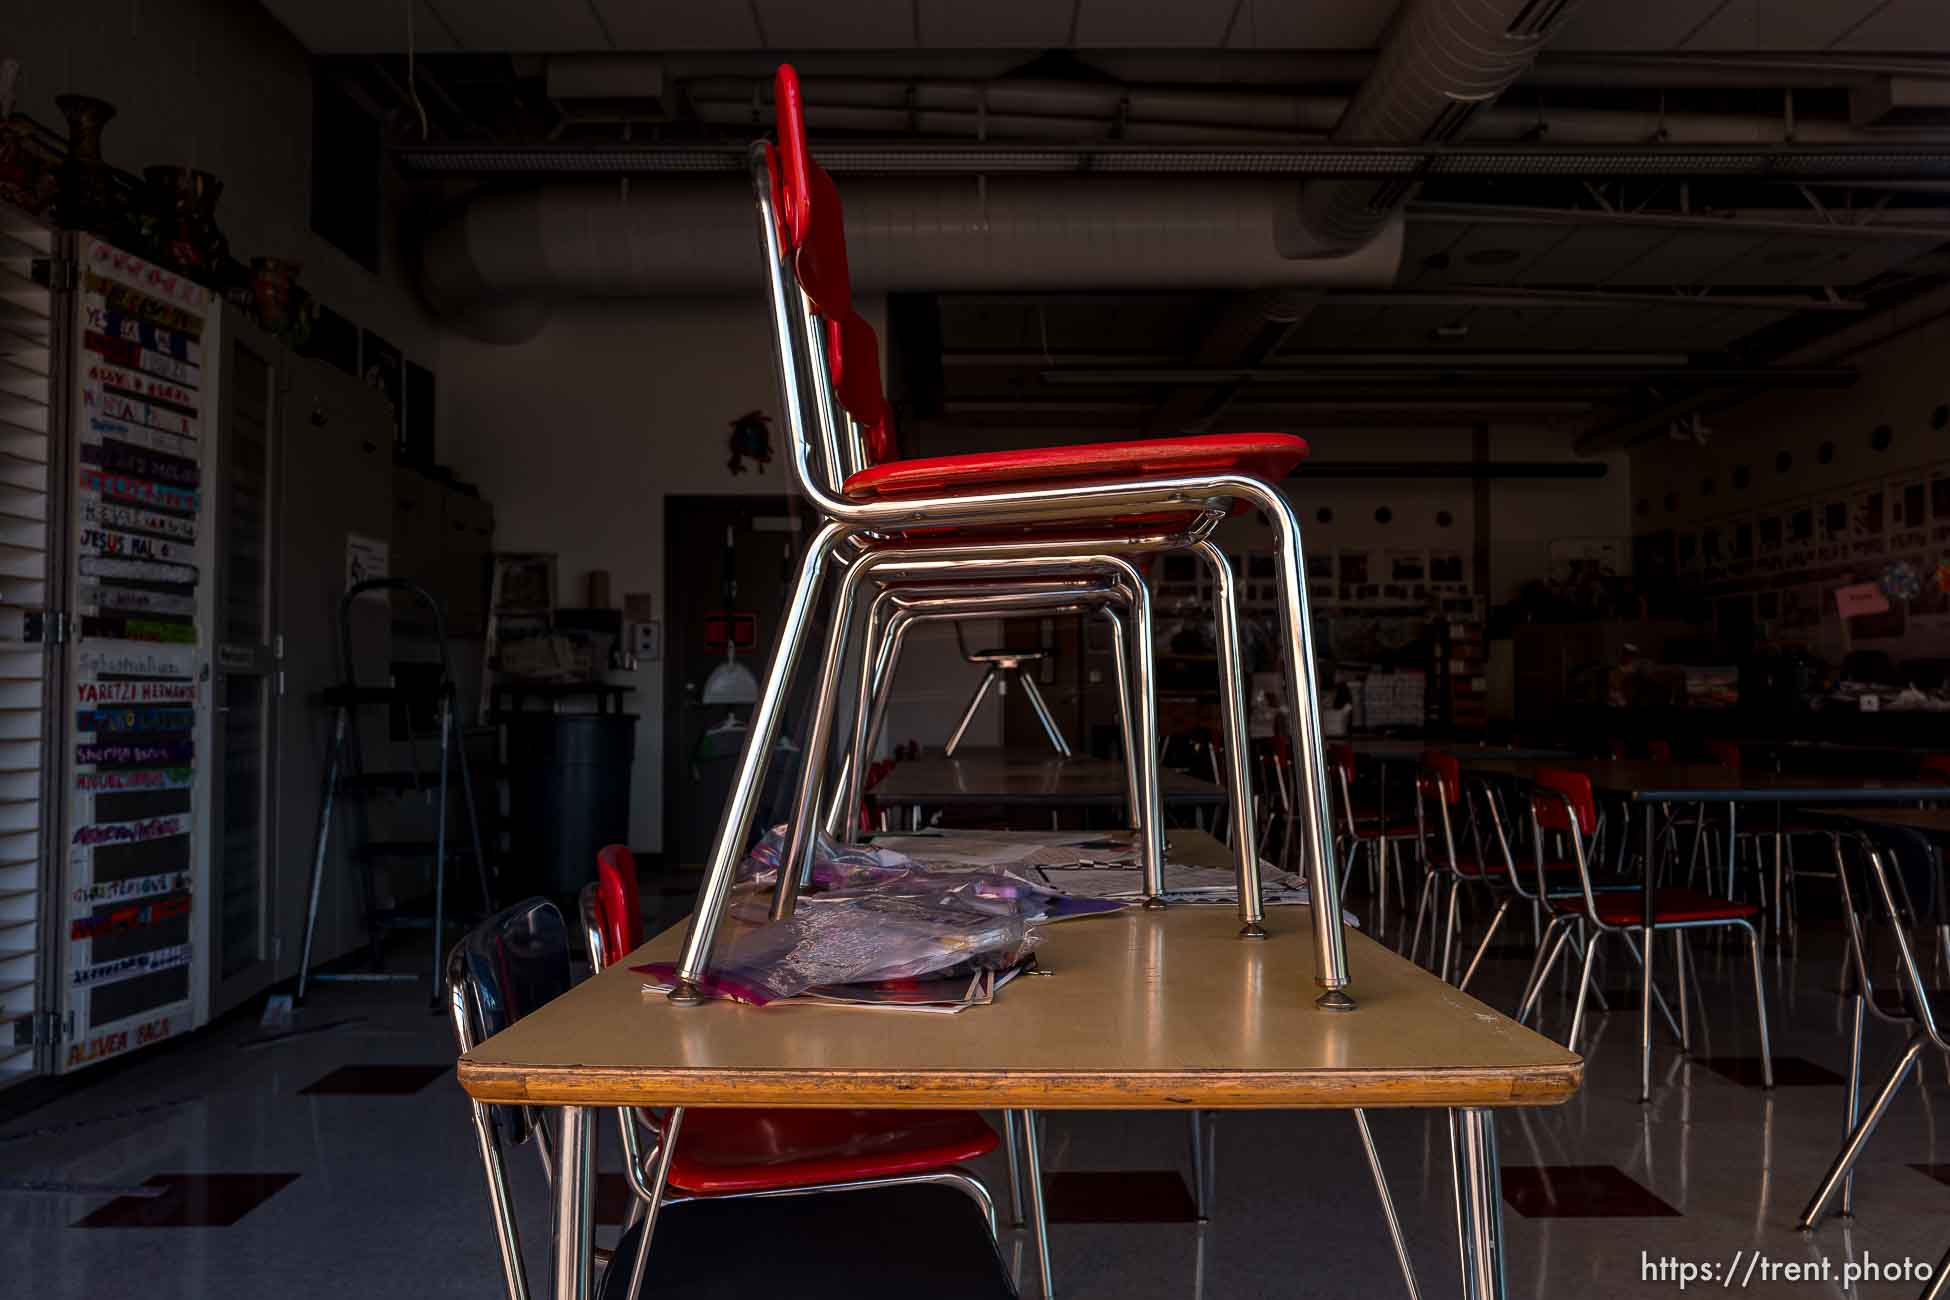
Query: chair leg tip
[(686, 994), (1252, 930), (1334, 1000)]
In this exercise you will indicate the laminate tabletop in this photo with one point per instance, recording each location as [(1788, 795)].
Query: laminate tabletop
[(1142, 1009), (1932, 822), (1650, 781), (992, 776)]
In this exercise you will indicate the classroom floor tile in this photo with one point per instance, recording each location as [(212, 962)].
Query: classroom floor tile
[(375, 1080)]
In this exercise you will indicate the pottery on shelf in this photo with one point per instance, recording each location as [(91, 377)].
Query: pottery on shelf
[(87, 196), (180, 218)]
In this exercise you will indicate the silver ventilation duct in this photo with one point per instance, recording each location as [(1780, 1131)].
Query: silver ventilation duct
[(1441, 62), (489, 271)]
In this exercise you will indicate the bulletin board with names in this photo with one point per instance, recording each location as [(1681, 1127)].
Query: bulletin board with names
[(145, 352)]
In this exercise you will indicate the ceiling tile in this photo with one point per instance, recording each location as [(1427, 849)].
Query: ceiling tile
[(1815, 259), (1653, 25), (1593, 254), (666, 25), (1772, 25), (1347, 25), (854, 25), (1115, 23), (1905, 27), (1004, 24), (524, 25), (1498, 252), (1688, 257), (359, 26)]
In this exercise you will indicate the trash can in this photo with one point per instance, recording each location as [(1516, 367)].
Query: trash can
[(568, 796)]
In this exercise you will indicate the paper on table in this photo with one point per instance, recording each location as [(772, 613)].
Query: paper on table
[(1018, 849)]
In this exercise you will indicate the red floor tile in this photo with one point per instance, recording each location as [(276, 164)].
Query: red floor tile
[(1789, 1071), (190, 1201), (1117, 1196), (1579, 1192), (375, 1080)]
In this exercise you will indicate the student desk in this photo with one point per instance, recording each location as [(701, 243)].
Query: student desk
[(1161, 1010)]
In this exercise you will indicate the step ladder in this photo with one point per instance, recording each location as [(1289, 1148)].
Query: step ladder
[(346, 777)]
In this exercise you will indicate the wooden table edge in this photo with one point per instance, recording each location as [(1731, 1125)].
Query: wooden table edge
[(1336, 1089)]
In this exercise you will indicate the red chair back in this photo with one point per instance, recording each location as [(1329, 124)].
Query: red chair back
[(1549, 809), (1659, 751), (812, 230), (1934, 765), (853, 357), (1726, 753), (811, 224), (1441, 776), (1340, 759), (617, 901), (1615, 749)]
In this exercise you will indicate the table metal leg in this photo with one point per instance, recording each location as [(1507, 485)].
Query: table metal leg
[(575, 1204), (1645, 997), (1479, 1203), (1395, 1236)]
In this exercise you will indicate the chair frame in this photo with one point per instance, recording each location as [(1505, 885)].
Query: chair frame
[(1924, 1031), (998, 666), (912, 606), (1589, 929), (871, 531), (648, 1173)]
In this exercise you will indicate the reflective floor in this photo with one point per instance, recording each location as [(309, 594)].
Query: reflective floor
[(334, 1158)]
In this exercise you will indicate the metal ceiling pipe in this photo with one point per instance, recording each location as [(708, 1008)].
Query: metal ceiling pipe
[(1048, 110), (1440, 63), (504, 253)]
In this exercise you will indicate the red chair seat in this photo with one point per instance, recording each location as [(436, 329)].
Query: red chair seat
[(721, 1151), (1669, 907), (1261, 455)]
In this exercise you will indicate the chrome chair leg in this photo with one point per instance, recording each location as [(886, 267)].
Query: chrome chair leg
[(1232, 708), (1502, 910), (1760, 1006), (746, 788), (1120, 660), (1858, 1139), (1584, 988), (1861, 1006), (1395, 1235), (1011, 1143), (1543, 964), (1449, 930), (1658, 998), (1043, 715), (1038, 1221), (658, 1179), (1685, 1001), (1197, 1118), (968, 715), (1939, 1287)]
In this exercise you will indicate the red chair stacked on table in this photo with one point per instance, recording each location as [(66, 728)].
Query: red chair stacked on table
[(1561, 804), (1019, 512), (776, 1152)]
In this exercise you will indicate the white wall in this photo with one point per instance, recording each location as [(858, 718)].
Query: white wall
[(219, 85), (578, 436)]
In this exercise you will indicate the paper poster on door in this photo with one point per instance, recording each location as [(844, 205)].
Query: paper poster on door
[(366, 558)]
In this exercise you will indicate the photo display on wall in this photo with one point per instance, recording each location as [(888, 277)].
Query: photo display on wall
[(145, 334)]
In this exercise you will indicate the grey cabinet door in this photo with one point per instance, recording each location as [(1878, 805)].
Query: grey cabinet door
[(337, 486)]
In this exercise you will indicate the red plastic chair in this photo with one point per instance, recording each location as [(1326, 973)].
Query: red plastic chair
[(760, 1151), (1562, 804), (924, 516)]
